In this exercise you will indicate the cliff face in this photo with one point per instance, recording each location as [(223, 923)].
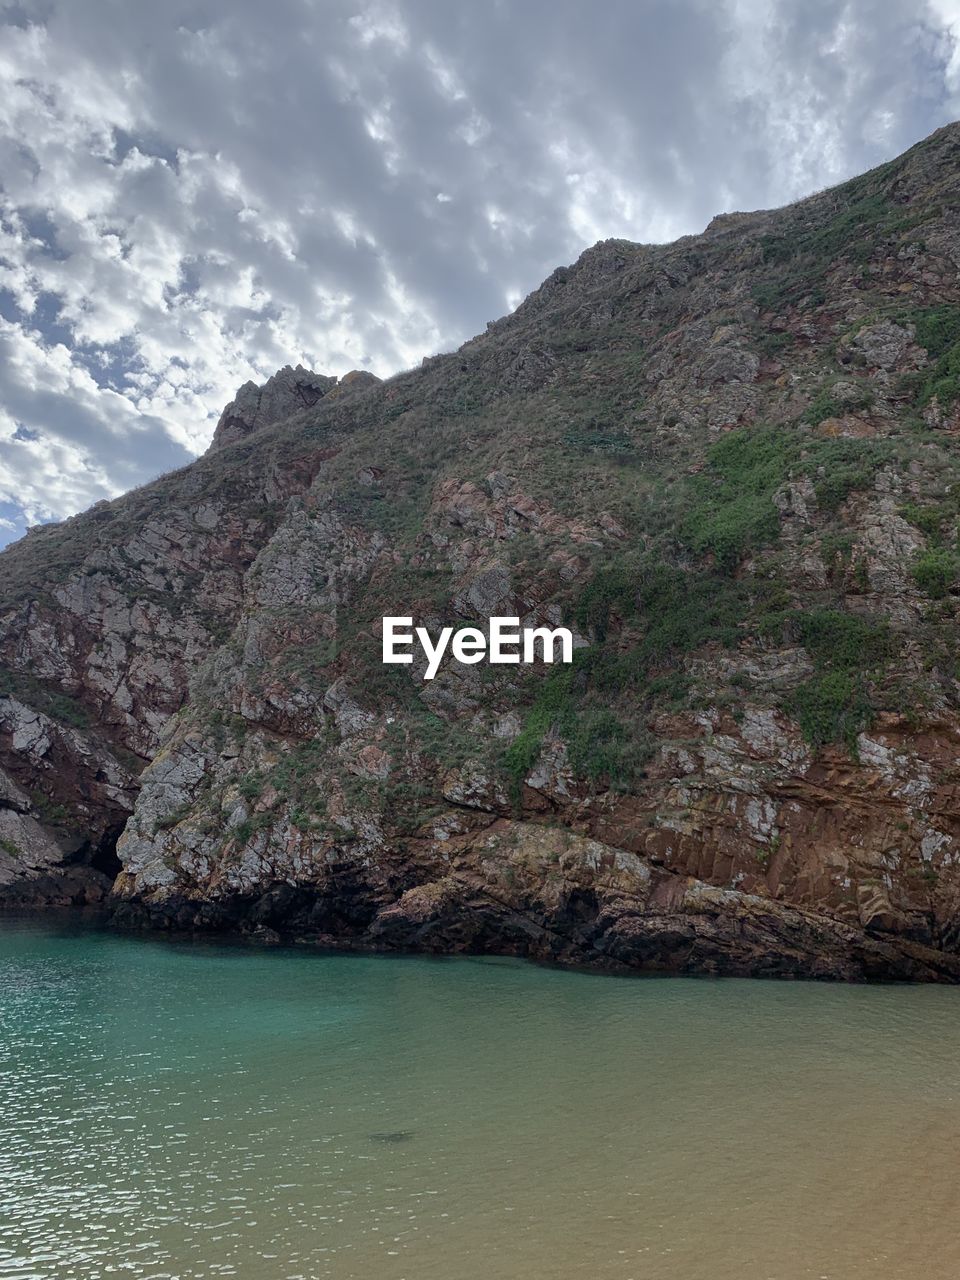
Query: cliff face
[(730, 464)]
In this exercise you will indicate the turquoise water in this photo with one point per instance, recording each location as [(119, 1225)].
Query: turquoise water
[(174, 1110)]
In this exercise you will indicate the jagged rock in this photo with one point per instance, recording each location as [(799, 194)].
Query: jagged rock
[(288, 392)]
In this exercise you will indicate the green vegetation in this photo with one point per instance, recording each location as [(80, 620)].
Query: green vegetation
[(725, 512), (613, 590), (942, 381), (295, 773), (49, 811), (772, 342), (297, 778), (826, 403), (864, 215), (936, 571), (841, 467), (729, 507), (938, 331), (615, 443), (834, 705), (600, 744), (732, 511), (44, 696), (937, 328), (844, 641), (552, 709), (601, 703), (852, 231), (916, 219), (682, 609), (927, 517), (244, 831), (836, 548), (398, 514)]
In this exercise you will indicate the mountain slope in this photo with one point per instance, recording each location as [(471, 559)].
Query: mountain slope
[(729, 463)]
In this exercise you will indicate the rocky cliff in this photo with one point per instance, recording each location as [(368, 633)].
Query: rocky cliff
[(730, 464)]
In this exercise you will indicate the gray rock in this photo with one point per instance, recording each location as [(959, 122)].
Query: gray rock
[(883, 345), (289, 391)]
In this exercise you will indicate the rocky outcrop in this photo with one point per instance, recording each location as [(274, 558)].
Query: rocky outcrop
[(726, 464), (526, 890), (103, 623), (38, 869), (288, 392)]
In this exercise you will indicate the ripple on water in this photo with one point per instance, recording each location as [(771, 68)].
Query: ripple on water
[(200, 1111)]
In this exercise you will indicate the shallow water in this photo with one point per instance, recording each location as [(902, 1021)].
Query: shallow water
[(174, 1110)]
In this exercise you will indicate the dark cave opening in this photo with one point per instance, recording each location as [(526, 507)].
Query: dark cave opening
[(103, 855)]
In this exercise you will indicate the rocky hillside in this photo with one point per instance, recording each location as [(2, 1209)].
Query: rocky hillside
[(730, 464)]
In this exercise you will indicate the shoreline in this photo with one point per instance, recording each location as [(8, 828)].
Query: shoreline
[(867, 961)]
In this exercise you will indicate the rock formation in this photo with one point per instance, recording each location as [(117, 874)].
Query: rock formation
[(280, 397), (729, 464)]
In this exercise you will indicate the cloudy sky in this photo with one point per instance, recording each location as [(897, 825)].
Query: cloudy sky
[(195, 193)]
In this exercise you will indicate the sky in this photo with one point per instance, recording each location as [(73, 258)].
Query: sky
[(194, 194)]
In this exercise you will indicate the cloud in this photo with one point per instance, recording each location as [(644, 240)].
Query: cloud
[(65, 441), (194, 194)]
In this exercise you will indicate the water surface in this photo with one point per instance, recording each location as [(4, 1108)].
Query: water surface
[(190, 1111)]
